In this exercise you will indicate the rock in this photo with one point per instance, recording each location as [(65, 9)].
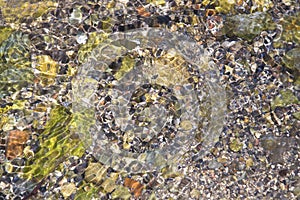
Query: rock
[(48, 69), (292, 59), (285, 98), (249, 162), (15, 143), (67, 189), (213, 164), (235, 145), (248, 26), (95, 173), (108, 185)]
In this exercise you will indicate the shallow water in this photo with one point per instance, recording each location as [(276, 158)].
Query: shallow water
[(160, 99)]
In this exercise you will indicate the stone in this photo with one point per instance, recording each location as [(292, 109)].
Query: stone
[(68, 189)]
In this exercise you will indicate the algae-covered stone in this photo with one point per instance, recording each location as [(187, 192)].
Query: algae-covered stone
[(290, 30), (249, 162), (248, 26), (225, 6), (297, 115), (76, 15), (121, 193), (108, 185), (5, 33), (14, 52), (56, 143), (195, 193), (12, 80), (94, 40), (15, 11), (235, 145), (292, 59), (87, 191), (285, 98), (48, 69), (127, 65)]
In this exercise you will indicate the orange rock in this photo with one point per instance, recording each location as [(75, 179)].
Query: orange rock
[(135, 186), (15, 143), (142, 11)]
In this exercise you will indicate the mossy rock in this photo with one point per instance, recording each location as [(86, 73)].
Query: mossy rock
[(56, 144), (290, 30), (248, 26), (292, 59), (285, 98)]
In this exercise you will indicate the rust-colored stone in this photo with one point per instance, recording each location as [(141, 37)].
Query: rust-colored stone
[(135, 186), (15, 143)]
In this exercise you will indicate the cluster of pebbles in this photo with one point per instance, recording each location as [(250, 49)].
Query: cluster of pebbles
[(255, 47)]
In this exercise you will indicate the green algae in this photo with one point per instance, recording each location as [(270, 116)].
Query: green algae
[(14, 52), (297, 115), (16, 105), (56, 143), (224, 6), (127, 65), (248, 26), (12, 80), (292, 59), (121, 192), (156, 2), (48, 69), (285, 98)]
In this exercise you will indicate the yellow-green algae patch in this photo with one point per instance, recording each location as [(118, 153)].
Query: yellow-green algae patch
[(97, 181), (5, 33), (16, 105), (94, 40), (156, 2), (235, 145), (230, 6), (87, 191), (15, 11), (127, 65), (48, 69), (56, 144)]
